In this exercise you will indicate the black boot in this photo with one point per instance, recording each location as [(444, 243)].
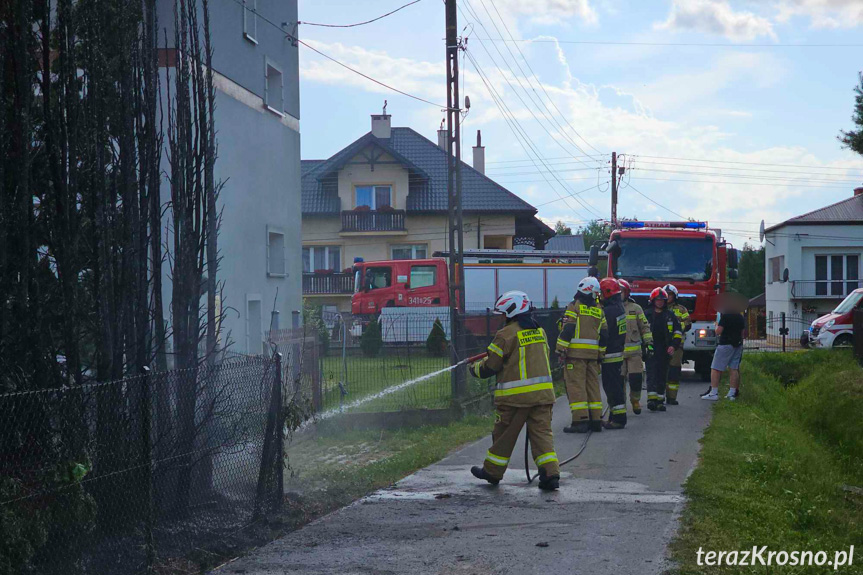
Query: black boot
[(580, 427), (481, 473), (651, 404), (611, 424), (547, 483), (660, 406), (596, 425)]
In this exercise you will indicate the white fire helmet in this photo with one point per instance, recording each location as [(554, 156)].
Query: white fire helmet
[(671, 290), (589, 286), (512, 303)]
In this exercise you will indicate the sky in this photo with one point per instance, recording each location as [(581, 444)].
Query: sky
[(725, 111)]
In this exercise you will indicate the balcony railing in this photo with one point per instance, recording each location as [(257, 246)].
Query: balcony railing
[(373, 221), (328, 284), (823, 289)]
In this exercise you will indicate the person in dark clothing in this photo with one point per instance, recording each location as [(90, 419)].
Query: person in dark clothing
[(667, 337), (731, 330), (612, 361)]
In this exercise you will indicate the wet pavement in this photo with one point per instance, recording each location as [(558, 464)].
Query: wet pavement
[(615, 512)]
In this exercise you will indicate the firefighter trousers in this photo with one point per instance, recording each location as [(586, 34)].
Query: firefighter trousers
[(582, 389), (508, 422), (633, 371), (615, 390), (674, 368), (657, 371)]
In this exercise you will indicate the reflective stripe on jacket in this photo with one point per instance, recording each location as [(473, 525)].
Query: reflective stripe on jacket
[(519, 357), (584, 331), (615, 316), (637, 329), (682, 315)]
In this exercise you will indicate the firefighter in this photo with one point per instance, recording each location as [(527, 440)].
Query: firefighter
[(524, 393), (612, 361), (667, 337), (676, 363), (639, 344), (582, 334)]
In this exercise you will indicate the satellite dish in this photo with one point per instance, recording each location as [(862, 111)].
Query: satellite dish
[(761, 232), (785, 275)]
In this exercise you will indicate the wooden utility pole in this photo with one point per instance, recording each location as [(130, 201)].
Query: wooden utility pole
[(456, 235), (613, 188)]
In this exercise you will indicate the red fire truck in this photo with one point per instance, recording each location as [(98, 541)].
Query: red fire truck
[(689, 255), (544, 275)]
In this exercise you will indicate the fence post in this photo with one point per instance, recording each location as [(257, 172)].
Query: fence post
[(147, 467), (783, 331), (280, 435), (268, 450)]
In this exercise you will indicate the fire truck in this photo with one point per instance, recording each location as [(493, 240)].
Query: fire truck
[(689, 255), (545, 276)]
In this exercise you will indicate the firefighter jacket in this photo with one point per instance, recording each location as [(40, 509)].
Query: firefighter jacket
[(584, 331), (682, 315), (665, 328), (615, 317), (637, 329), (518, 355)]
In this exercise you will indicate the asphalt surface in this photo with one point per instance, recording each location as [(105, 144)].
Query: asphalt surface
[(615, 512)]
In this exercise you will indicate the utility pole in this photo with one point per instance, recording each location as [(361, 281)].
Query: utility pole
[(613, 188), (456, 229)]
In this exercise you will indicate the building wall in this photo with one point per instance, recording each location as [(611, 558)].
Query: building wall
[(800, 245), (259, 165)]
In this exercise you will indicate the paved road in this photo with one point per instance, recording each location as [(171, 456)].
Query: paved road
[(615, 512)]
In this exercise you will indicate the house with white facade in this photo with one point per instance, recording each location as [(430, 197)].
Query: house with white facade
[(812, 262)]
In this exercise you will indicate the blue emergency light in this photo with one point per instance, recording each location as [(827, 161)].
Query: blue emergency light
[(688, 225)]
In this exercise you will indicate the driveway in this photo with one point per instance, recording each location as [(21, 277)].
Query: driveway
[(615, 512)]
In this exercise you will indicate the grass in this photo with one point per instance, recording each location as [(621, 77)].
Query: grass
[(337, 467), (776, 465)]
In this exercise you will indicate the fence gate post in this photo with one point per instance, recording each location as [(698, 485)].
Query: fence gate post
[(783, 331), (147, 467)]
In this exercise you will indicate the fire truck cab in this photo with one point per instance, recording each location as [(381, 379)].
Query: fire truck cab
[(689, 255)]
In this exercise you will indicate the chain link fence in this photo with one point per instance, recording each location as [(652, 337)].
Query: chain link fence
[(158, 473)]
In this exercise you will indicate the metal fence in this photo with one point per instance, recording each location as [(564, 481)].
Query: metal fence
[(161, 472), (777, 334)]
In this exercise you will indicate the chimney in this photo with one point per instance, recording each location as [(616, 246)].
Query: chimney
[(441, 138), (381, 126), (479, 154), (858, 191)]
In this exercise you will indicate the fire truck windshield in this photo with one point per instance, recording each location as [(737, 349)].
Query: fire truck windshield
[(664, 258)]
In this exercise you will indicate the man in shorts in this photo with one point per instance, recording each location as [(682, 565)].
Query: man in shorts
[(731, 330)]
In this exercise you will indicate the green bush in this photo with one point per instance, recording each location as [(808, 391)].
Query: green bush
[(21, 533), (555, 304), (436, 341), (371, 341), (313, 318)]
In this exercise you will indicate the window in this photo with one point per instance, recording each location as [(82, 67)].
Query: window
[(375, 197), (410, 252), (777, 265), (250, 20), (837, 275), (276, 253), (379, 277), (317, 258), (423, 276), (273, 97)]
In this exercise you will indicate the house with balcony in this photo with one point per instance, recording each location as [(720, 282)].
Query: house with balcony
[(384, 196), (812, 262)]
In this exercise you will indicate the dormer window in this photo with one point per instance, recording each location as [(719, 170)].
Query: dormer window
[(375, 197)]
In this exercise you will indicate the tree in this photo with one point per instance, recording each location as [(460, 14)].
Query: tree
[(854, 138), (562, 229), (595, 230), (750, 279), (371, 341), (436, 341)]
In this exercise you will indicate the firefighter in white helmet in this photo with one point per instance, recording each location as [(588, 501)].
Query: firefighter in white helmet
[(583, 333), (524, 393), (675, 364)]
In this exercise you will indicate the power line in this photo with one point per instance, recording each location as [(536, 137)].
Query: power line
[(367, 77), (360, 23), (693, 44), (745, 176), (738, 162), (651, 200)]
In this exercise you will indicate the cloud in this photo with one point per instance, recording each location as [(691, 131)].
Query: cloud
[(549, 12), (823, 13), (716, 17)]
